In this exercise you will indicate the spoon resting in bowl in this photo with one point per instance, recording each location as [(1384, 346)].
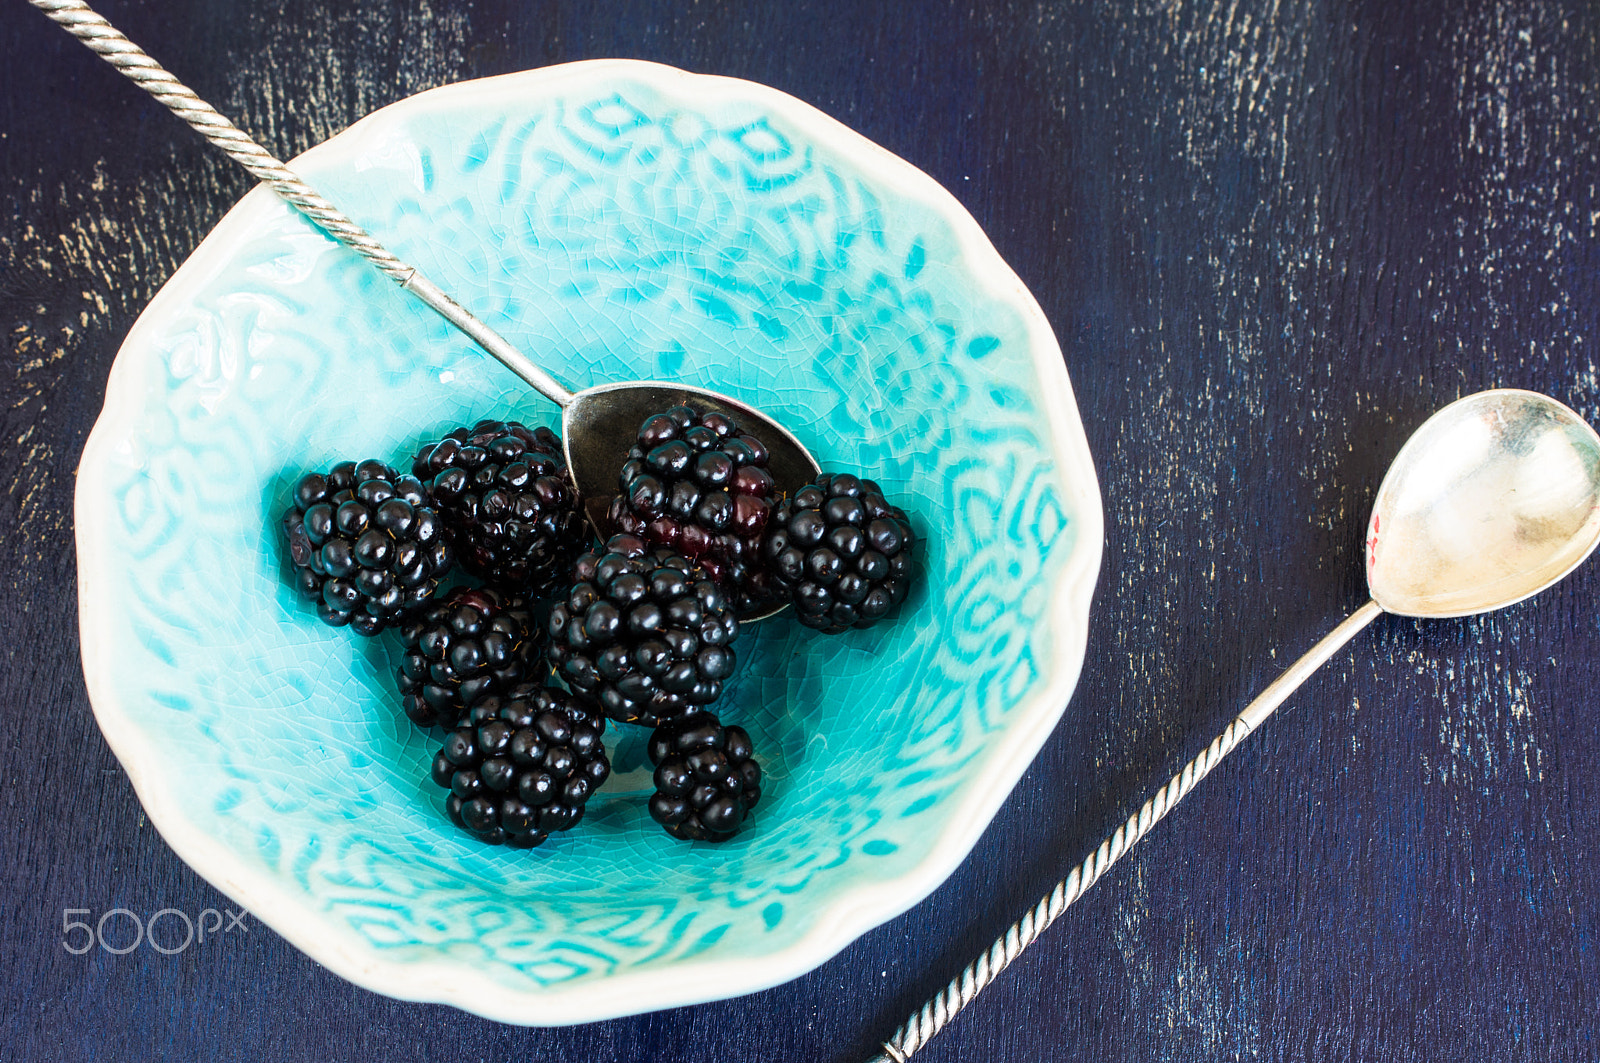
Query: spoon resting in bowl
[(1493, 499), (598, 423)]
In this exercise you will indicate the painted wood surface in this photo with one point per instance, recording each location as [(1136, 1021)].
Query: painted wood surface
[(1271, 237)]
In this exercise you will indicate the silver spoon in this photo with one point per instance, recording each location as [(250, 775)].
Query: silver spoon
[(1493, 499), (598, 424)]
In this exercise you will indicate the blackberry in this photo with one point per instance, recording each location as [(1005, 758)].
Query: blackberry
[(644, 634), (522, 765), (367, 544), (841, 552), (706, 780), (507, 502), (697, 484), (472, 643)]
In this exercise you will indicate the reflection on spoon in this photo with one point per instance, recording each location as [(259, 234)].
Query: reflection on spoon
[(1492, 500)]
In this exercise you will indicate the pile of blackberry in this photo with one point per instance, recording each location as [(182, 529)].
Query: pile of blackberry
[(371, 547), (641, 630), (646, 637), (701, 527)]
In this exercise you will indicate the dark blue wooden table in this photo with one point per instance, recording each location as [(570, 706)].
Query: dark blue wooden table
[(1271, 237)]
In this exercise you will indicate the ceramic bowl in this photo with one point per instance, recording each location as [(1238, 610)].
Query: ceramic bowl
[(615, 220)]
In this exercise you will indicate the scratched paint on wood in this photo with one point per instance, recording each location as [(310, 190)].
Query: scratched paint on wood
[(1272, 238)]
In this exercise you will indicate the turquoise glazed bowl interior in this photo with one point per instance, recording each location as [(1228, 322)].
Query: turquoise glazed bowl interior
[(615, 220)]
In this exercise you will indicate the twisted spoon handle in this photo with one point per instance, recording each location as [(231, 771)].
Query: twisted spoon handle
[(936, 1013), (106, 41)]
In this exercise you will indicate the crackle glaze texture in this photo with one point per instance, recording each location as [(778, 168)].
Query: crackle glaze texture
[(615, 221)]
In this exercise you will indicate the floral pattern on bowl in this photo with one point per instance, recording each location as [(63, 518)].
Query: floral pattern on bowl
[(615, 220)]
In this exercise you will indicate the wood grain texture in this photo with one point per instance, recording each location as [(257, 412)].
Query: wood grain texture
[(1272, 238)]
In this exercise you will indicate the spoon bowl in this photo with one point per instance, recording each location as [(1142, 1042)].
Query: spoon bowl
[(600, 424), (1493, 499)]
